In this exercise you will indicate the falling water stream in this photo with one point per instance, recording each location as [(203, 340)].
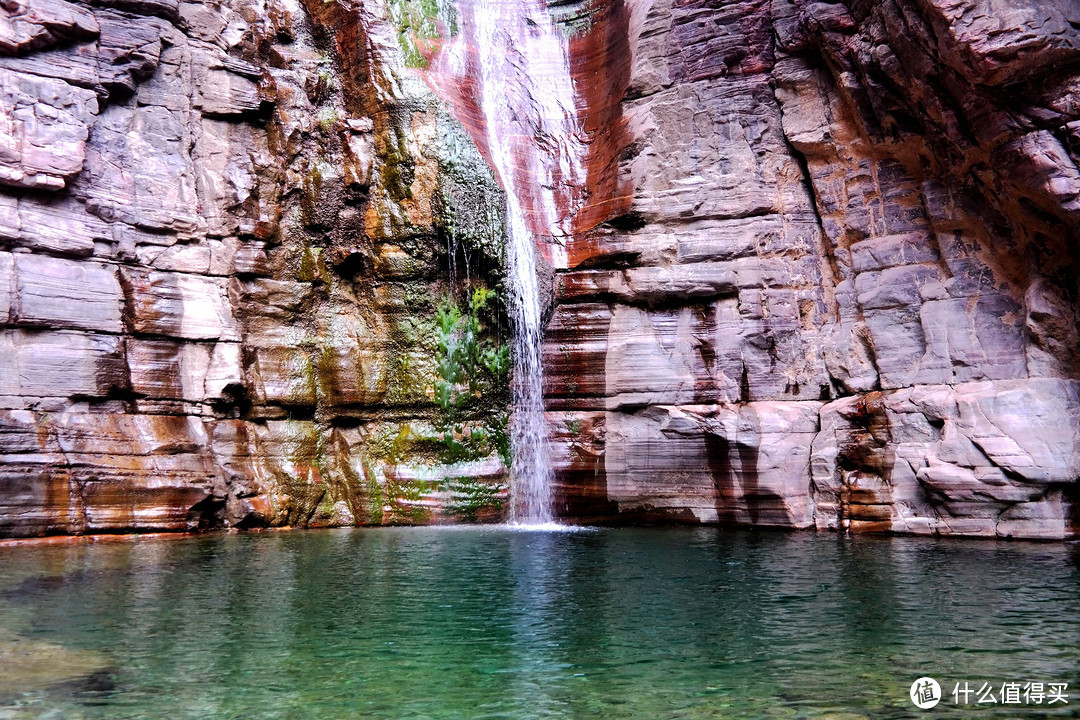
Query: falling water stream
[(538, 85), (531, 475), (517, 66)]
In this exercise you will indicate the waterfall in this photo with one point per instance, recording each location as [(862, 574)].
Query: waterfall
[(507, 76), (531, 473)]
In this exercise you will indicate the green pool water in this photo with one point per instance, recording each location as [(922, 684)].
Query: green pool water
[(492, 623)]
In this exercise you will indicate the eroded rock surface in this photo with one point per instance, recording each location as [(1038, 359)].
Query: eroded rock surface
[(840, 290), (222, 251), (845, 293)]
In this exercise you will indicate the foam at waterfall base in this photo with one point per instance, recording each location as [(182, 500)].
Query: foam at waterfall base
[(548, 527), (516, 527)]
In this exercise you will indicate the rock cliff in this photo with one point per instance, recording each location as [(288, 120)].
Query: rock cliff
[(825, 275), (845, 293), (226, 231)]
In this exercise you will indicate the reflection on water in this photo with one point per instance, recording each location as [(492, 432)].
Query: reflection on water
[(490, 623)]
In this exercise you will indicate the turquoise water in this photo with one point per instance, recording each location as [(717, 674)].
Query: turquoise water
[(490, 623)]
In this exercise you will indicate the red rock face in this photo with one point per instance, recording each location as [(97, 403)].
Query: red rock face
[(789, 224), (818, 259), (835, 298), (540, 92), (207, 258)]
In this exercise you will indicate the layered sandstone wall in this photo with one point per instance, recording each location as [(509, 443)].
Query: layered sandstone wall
[(220, 255), (845, 295)]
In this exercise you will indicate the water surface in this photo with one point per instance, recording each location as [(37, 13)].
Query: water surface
[(490, 623)]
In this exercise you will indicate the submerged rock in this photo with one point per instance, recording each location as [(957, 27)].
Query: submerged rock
[(34, 665)]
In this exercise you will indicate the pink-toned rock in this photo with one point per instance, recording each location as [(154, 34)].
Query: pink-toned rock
[(180, 305), (820, 263), (50, 292), (43, 130), (28, 25)]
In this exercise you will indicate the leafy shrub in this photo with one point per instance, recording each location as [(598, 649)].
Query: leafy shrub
[(473, 375)]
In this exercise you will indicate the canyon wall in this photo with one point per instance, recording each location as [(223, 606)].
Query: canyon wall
[(837, 287), (223, 249), (845, 294)]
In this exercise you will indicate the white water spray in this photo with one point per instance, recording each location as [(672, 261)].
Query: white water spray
[(515, 64), (531, 476), (518, 61)]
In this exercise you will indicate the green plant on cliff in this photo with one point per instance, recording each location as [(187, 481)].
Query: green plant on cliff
[(470, 497), (398, 166), (418, 23), (472, 375), (310, 190), (326, 117)]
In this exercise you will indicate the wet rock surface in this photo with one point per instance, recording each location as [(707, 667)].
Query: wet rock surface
[(826, 277), (845, 291), (221, 252)]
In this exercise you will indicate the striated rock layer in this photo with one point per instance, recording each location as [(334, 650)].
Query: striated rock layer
[(820, 263), (845, 293), (221, 248)]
